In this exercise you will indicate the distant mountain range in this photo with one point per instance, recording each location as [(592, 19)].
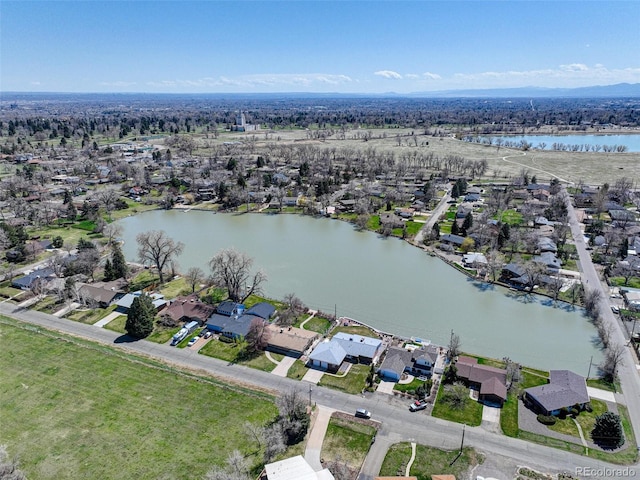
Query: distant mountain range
[(624, 90), (618, 90)]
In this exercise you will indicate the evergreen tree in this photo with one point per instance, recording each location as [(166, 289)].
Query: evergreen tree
[(108, 271), (607, 431), (455, 191), (140, 317), (435, 230), (120, 269), (72, 213), (455, 230), (468, 222)]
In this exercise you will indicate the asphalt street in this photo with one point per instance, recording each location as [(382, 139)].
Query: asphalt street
[(398, 424), (627, 372)]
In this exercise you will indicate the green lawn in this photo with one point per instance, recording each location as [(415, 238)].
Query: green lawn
[(175, 288), (48, 304), (90, 316), (408, 387), (297, 370), (470, 413), (143, 280), (374, 223), (117, 324), (354, 330), (604, 385), (316, 324), (91, 411), (509, 414), (348, 441), (231, 352), (634, 282), (353, 382), (511, 217), (429, 461), (7, 291), (162, 334)]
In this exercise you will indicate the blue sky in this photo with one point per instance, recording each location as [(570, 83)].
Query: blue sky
[(315, 46)]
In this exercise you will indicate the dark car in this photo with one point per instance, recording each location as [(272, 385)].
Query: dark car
[(362, 413)]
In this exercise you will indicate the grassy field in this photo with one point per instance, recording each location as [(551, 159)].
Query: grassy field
[(348, 441), (232, 353), (429, 461), (470, 413), (353, 382), (316, 324), (90, 316), (89, 411), (297, 370)]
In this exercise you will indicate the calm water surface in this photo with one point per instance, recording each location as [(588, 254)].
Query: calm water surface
[(385, 283), (632, 142)]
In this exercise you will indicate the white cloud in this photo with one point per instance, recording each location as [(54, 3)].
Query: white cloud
[(388, 74), (304, 80), (575, 67), (568, 75), (118, 84), (432, 76)]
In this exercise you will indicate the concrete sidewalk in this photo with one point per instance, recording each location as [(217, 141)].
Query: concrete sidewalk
[(107, 319), (283, 367), (316, 437)]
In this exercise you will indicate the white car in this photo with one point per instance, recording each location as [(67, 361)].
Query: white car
[(615, 309), (192, 341)]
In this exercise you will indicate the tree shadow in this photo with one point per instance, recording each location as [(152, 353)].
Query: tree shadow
[(125, 338), (481, 286), (521, 296)]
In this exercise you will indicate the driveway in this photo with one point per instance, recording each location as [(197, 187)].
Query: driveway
[(491, 419), (283, 367), (107, 319), (386, 387), (313, 376), (601, 394), (316, 437)]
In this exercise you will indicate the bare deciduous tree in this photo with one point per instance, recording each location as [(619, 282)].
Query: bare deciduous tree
[(613, 358), (453, 349), (157, 249), (112, 231), (232, 269), (194, 277)]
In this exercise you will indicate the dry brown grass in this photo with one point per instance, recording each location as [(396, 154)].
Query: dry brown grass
[(588, 167)]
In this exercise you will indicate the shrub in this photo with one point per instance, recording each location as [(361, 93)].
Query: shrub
[(547, 419)]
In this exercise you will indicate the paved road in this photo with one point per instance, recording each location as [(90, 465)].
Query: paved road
[(406, 426), (435, 215), (628, 373)]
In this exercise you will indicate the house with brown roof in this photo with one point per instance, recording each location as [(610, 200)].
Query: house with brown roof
[(490, 382), (188, 309), (290, 341)]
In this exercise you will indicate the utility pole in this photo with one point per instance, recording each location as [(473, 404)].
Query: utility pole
[(310, 390), (590, 362)]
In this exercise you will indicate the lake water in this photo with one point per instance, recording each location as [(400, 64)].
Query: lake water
[(385, 283), (632, 142)]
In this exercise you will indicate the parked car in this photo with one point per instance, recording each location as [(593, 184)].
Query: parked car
[(362, 413), (192, 341), (208, 334), (418, 405), (203, 332), (615, 309)]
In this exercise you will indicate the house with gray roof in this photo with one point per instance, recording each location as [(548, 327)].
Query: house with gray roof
[(564, 390), (419, 361), (329, 355), (263, 310), (41, 275), (359, 349)]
